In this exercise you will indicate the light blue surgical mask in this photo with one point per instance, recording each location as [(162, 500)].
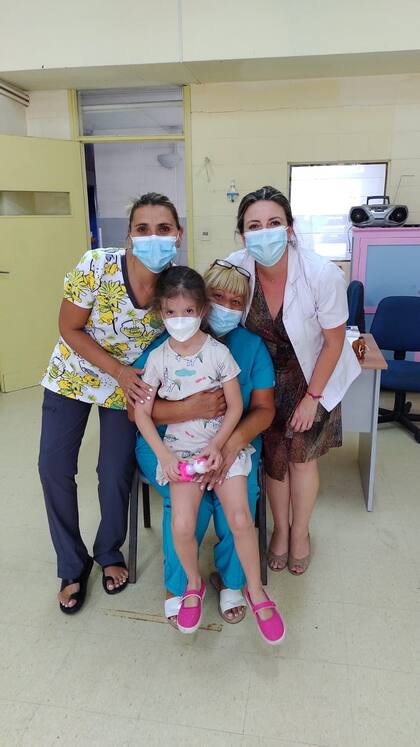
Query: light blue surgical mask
[(223, 320), (155, 252), (267, 245)]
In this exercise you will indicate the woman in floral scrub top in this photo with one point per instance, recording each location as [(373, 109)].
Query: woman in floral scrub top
[(105, 324)]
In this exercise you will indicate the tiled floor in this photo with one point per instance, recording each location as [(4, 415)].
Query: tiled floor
[(347, 675)]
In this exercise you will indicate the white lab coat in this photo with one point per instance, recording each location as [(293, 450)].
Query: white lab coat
[(315, 298)]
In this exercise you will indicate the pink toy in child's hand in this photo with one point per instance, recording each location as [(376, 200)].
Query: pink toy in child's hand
[(188, 469)]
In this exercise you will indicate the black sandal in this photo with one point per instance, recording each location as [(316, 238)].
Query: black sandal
[(105, 579), (80, 595)]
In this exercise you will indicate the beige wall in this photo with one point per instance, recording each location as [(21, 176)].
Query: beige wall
[(251, 131), (12, 117), (46, 34), (279, 28), (48, 115)]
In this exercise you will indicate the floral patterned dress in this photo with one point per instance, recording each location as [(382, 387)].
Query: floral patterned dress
[(100, 283), (281, 444)]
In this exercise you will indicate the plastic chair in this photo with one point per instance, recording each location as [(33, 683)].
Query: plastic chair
[(356, 302), (396, 327), (260, 521)]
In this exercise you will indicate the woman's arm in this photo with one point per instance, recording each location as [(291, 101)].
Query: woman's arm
[(304, 414), (328, 358), (259, 417), (234, 408), (71, 322), (206, 405)]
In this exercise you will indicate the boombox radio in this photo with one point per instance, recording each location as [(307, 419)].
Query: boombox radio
[(382, 215)]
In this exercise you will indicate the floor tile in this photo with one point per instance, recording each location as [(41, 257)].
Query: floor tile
[(299, 700), (30, 659), (14, 720), (383, 637), (138, 679), (193, 688), (261, 741), (375, 565), (385, 708), (30, 599), (51, 726), (104, 675), (154, 734)]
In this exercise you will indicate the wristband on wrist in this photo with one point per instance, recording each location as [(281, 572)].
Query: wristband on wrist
[(314, 396)]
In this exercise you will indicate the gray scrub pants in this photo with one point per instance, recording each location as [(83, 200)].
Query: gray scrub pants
[(63, 425)]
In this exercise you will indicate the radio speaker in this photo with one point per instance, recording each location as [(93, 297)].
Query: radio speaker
[(380, 216)]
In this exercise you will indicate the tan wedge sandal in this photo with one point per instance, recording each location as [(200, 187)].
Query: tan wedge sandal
[(281, 560), (301, 563)]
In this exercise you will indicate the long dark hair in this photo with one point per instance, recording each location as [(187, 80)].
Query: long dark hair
[(180, 281), (153, 198), (264, 193)]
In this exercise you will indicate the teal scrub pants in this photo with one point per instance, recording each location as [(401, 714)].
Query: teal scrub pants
[(225, 557)]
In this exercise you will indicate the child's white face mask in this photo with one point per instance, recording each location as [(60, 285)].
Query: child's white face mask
[(182, 328)]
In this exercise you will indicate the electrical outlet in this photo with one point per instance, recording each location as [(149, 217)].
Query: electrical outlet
[(204, 235)]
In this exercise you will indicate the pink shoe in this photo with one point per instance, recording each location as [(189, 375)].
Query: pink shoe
[(272, 630), (189, 618)]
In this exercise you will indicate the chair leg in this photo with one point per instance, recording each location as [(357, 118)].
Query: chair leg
[(383, 412), (408, 422), (399, 402), (401, 413), (262, 523), (146, 506), (132, 530), (389, 417)]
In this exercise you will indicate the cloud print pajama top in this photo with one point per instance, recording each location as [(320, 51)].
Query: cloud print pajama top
[(179, 377)]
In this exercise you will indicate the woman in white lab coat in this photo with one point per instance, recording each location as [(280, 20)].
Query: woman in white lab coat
[(298, 305)]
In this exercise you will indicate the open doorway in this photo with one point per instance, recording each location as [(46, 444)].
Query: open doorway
[(118, 172), (135, 145)]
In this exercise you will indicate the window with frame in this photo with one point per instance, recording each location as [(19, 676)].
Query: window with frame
[(131, 111), (321, 196)]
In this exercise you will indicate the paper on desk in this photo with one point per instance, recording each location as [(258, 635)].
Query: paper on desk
[(352, 334)]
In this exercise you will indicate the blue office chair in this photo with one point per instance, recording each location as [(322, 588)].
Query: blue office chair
[(356, 302), (396, 327)]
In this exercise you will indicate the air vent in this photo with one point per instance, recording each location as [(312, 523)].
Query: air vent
[(16, 94)]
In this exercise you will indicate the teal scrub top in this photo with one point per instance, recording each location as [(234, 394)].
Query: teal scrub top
[(251, 355)]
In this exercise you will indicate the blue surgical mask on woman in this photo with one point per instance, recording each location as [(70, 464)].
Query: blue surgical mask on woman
[(155, 252), (223, 320), (267, 245)]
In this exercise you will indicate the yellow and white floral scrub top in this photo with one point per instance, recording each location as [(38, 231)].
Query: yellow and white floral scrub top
[(100, 283)]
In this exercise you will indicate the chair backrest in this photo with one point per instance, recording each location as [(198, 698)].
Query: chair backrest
[(356, 302), (396, 324)]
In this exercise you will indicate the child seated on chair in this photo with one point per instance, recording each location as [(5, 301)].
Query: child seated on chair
[(188, 362)]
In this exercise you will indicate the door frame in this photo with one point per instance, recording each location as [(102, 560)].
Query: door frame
[(73, 104)]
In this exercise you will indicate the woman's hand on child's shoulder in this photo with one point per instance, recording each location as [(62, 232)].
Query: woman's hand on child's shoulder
[(169, 466)]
